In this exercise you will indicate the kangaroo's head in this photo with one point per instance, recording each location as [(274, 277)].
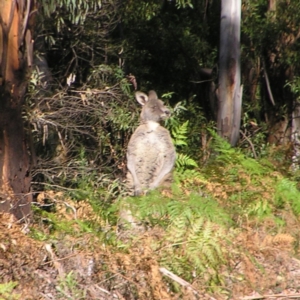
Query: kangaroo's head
[(153, 108)]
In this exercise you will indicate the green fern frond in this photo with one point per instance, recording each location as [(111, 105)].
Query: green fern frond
[(196, 205), (179, 134), (184, 162), (195, 237), (252, 166), (287, 193), (196, 243), (152, 208), (226, 155), (259, 209)]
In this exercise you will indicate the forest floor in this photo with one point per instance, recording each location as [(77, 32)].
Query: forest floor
[(79, 265)]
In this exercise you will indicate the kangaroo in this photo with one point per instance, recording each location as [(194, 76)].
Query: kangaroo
[(151, 153)]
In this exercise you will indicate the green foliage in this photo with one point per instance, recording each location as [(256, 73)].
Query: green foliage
[(155, 207), (100, 192), (184, 162), (194, 225), (6, 291), (36, 234), (269, 43), (76, 34), (99, 198), (152, 209), (259, 209), (165, 45), (180, 134), (189, 125), (226, 155), (193, 237), (141, 10), (287, 193), (171, 27), (197, 206), (178, 130), (76, 11), (69, 288), (74, 227), (194, 247), (184, 3), (259, 193), (294, 87), (76, 131), (254, 22), (253, 139)]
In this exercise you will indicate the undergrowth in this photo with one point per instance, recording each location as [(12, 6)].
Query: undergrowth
[(231, 191), (253, 188), (199, 219)]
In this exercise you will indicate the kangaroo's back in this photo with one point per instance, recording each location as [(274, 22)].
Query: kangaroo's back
[(151, 153)]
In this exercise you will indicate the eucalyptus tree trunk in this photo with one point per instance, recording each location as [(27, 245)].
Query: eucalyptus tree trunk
[(16, 44), (229, 91)]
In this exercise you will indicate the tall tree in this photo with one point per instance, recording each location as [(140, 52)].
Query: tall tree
[(16, 44), (229, 92)]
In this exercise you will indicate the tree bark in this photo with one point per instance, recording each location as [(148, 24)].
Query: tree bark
[(15, 56), (229, 91)]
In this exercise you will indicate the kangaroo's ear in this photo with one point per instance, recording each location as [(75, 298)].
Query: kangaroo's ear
[(152, 95), (141, 98)]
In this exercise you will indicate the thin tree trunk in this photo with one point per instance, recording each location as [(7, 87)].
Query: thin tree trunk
[(229, 92), (15, 57), (295, 138)]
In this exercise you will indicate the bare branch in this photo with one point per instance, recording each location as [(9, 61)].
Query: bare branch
[(177, 279), (268, 82)]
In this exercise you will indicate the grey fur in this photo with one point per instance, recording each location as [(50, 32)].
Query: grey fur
[(151, 153)]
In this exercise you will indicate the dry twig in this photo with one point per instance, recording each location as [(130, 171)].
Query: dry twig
[(274, 296), (177, 279)]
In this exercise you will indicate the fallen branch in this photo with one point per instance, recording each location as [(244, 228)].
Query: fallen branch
[(269, 296), (177, 279), (56, 263)]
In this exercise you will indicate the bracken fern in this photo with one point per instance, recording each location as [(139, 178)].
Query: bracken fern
[(196, 242)]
